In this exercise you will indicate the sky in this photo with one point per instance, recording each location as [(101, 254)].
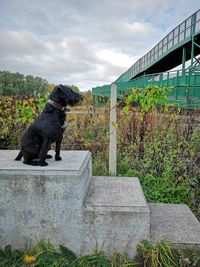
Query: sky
[(87, 43)]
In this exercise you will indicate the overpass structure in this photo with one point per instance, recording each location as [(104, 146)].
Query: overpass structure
[(182, 44)]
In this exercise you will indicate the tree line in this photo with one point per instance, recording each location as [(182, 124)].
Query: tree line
[(19, 84)]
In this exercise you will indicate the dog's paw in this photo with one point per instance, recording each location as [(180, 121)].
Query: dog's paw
[(57, 158), (49, 157), (39, 163), (43, 164)]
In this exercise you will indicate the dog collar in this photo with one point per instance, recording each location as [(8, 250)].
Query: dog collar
[(56, 105)]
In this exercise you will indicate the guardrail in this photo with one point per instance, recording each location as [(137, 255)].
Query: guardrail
[(185, 86), (178, 37)]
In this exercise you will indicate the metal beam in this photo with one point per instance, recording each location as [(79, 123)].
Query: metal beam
[(183, 59), (192, 52)]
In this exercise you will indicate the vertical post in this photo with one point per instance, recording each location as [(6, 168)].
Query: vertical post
[(183, 64), (192, 52), (178, 78), (183, 59), (161, 79), (144, 81), (168, 78), (113, 131)]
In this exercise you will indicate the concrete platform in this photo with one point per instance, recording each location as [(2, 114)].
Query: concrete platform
[(71, 161), (116, 215), (75, 170), (176, 223), (43, 202)]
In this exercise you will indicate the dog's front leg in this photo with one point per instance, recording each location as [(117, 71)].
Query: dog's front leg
[(58, 145), (43, 152)]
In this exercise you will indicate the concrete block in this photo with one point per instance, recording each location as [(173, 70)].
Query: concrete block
[(43, 202), (176, 223), (116, 216), (65, 204)]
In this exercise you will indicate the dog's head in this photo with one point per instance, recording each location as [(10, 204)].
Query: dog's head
[(64, 95)]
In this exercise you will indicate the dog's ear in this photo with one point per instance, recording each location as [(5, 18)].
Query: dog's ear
[(64, 89), (60, 87)]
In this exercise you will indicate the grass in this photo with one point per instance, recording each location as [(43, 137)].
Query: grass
[(44, 254)]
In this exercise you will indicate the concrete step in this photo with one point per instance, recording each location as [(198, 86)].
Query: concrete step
[(116, 215), (174, 222)]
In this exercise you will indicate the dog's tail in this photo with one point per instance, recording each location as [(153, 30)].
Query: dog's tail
[(19, 156)]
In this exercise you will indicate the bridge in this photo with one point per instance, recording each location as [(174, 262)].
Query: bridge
[(182, 44)]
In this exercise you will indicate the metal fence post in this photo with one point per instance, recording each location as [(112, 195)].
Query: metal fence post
[(113, 131)]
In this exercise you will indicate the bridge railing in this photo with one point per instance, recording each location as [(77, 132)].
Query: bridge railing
[(185, 85), (177, 37)]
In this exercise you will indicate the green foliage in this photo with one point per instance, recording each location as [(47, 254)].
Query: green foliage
[(88, 131), (100, 164), (95, 260), (162, 149), (16, 113), (28, 108), (87, 99), (18, 84), (165, 190), (163, 254), (189, 257), (165, 169), (7, 115), (117, 260), (70, 255), (43, 254), (158, 255), (148, 98), (9, 257)]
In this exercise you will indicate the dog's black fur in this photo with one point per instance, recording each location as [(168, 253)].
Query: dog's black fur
[(47, 128)]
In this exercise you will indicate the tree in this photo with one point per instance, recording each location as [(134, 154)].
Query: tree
[(18, 84)]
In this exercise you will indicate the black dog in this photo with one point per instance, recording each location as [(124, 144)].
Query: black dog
[(47, 128)]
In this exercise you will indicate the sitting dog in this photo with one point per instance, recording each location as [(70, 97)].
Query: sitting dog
[(48, 127)]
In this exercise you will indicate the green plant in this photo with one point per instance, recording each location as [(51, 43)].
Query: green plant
[(148, 98), (10, 258), (28, 108), (44, 254), (159, 255), (117, 260), (188, 257), (97, 259), (16, 113)]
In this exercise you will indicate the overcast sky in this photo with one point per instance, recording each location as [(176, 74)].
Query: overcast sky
[(83, 42)]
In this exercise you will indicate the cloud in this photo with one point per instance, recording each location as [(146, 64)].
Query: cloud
[(20, 43), (71, 60), (116, 58), (86, 43)]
